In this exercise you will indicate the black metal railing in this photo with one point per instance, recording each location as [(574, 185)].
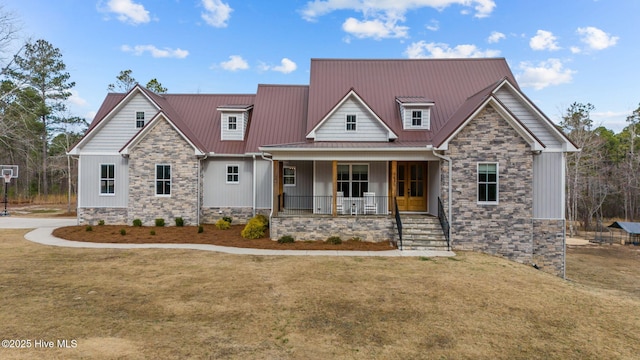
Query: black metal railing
[(444, 222), (398, 224), (323, 205)]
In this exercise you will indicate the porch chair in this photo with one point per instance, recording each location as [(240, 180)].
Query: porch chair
[(339, 202), (370, 206)]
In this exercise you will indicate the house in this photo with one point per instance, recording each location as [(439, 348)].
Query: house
[(365, 145)]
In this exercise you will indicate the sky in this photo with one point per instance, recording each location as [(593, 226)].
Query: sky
[(561, 52)]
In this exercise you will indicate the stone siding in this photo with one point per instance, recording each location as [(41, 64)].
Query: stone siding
[(239, 215), (367, 228), (163, 145), (505, 228), (111, 216), (549, 245)]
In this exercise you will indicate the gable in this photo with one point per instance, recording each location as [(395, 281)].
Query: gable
[(119, 127), (170, 134), (367, 128)]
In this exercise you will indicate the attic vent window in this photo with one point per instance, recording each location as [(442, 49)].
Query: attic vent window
[(351, 123), (139, 119)]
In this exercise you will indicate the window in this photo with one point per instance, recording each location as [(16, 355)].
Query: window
[(139, 119), (233, 123), (353, 179), (107, 179), (163, 180), (289, 176), (233, 174), (351, 123), (416, 118), (488, 183)]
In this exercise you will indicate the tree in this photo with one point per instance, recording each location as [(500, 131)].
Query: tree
[(155, 86), (42, 69), (124, 82)]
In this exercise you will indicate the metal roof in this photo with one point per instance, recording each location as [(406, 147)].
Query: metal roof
[(629, 227)]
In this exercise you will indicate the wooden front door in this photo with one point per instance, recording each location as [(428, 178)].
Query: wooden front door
[(412, 186)]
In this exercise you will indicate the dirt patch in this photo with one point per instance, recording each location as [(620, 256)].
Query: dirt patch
[(211, 235)]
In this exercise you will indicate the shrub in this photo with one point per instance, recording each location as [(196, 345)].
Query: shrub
[(222, 224), (286, 239), (137, 222), (179, 221), (89, 228), (227, 219), (253, 230), (160, 222), (123, 232), (101, 222), (152, 232), (334, 240), (263, 219), (200, 229)]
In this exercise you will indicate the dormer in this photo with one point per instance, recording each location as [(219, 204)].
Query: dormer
[(234, 121), (415, 112)]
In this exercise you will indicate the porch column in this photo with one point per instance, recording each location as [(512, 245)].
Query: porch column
[(334, 176), (276, 186), (394, 185)]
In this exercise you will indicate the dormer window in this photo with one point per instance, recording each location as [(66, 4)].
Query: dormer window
[(416, 118), (233, 123), (415, 112)]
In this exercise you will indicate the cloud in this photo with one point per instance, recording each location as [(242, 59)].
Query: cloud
[(376, 29), (235, 63), (381, 19), (128, 11), (155, 52), (286, 66), (75, 99), (422, 49), (546, 73), (596, 39), (216, 13), (495, 37), (433, 25), (544, 40)]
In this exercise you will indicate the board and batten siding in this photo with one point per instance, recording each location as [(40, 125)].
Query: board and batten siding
[(89, 173), (263, 186), (367, 127), (218, 193), (529, 119), (548, 186), (121, 127)]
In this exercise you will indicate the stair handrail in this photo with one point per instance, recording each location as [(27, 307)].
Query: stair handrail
[(398, 224), (444, 222)]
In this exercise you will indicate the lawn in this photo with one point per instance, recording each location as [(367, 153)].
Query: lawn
[(140, 304)]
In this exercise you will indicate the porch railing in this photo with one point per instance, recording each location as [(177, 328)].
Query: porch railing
[(323, 205), (444, 222), (398, 225)]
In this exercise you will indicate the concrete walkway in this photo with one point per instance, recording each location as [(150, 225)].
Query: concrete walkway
[(43, 228)]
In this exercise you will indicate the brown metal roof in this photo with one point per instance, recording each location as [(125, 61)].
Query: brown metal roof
[(447, 82)]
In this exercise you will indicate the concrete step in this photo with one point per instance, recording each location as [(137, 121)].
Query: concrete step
[(420, 232)]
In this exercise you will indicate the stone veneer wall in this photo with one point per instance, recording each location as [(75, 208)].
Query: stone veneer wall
[(111, 216), (367, 228), (549, 245), (239, 215), (163, 145), (506, 228)]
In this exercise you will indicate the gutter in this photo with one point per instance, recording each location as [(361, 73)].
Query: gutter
[(448, 159)]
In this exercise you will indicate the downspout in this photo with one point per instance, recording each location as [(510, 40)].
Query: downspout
[(448, 159), (255, 180), (271, 182), (200, 158)]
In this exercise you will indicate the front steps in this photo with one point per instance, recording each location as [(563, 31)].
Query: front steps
[(422, 232)]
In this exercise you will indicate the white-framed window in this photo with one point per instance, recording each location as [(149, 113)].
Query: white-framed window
[(233, 174), (163, 179), (107, 179), (416, 118), (351, 122), (289, 176), (232, 123), (353, 179), (488, 183), (139, 119)]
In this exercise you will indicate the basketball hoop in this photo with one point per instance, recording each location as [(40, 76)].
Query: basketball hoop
[(7, 177)]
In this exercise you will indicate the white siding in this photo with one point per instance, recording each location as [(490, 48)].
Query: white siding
[(216, 191), (121, 127), (529, 119), (548, 186), (89, 191), (408, 118), (367, 129), (242, 119), (263, 187)]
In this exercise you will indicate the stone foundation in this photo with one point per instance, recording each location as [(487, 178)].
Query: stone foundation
[(111, 216), (239, 215), (549, 245), (369, 228)]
